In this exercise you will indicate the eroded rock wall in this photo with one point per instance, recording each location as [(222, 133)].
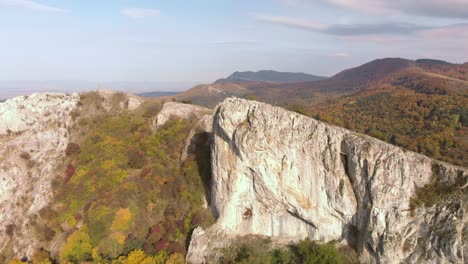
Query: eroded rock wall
[(280, 174)]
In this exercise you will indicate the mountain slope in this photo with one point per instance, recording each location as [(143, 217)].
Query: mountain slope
[(432, 124), (424, 76), (270, 76), (394, 72), (157, 94)]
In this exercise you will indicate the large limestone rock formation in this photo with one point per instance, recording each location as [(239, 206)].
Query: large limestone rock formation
[(34, 132), (280, 174), (180, 111)]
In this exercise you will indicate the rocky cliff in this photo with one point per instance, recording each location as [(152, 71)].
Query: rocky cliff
[(34, 132), (283, 175)]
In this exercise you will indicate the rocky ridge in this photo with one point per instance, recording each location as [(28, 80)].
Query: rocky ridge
[(283, 175)]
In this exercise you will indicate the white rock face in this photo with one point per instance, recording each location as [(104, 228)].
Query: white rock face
[(36, 128), (179, 110), (280, 174)]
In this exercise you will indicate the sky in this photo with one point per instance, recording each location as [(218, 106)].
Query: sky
[(203, 40)]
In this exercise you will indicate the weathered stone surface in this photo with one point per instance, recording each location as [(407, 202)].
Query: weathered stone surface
[(281, 174), (127, 102), (179, 110), (33, 137)]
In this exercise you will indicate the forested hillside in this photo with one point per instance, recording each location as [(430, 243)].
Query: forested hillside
[(434, 125)]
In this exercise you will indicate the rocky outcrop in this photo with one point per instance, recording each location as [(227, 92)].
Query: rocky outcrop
[(33, 137), (124, 101), (280, 174), (181, 111)]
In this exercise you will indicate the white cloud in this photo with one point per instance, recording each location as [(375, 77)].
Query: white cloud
[(340, 55), (28, 4), (140, 12)]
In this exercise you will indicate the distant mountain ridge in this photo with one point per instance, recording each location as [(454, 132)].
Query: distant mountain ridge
[(14, 88), (270, 76), (157, 94), (423, 75)]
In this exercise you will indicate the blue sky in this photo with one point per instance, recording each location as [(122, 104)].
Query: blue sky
[(200, 41)]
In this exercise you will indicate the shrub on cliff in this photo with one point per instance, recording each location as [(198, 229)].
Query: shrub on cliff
[(255, 250), (72, 149)]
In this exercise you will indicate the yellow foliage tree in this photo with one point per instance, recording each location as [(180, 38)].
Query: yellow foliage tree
[(176, 258), (139, 257), (122, 220), (136, 256), (78, 248)]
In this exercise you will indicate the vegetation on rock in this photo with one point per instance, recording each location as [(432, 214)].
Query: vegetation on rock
[(438, 191), (125, 198), (259, 251)]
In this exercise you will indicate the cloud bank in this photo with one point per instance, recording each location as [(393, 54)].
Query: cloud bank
[(342, 29)]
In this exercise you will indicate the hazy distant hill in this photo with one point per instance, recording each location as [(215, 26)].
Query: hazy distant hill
[(270, 76), (10, 89), (157, 94)]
